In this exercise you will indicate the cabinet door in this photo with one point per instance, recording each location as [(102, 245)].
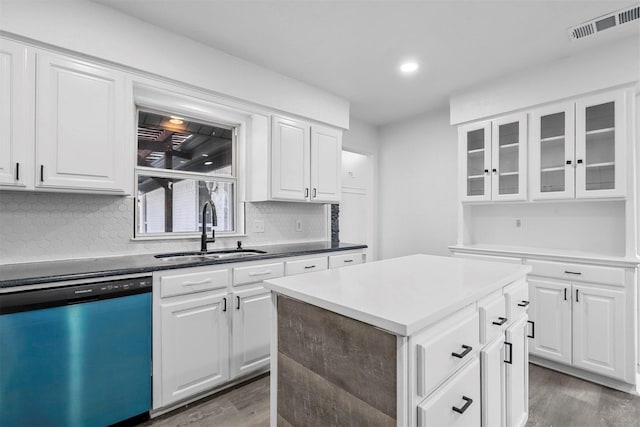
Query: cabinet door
[(195, 345), (474, 143), (492, 373), (601, 146), (517, 374), (16, 114), (599, 330), (326, 161), (80, 135), (552, 152), (290, 160), (251, 330), (550, 312), (509, 158)]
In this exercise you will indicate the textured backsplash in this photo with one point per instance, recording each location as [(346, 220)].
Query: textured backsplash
[(50, 226)]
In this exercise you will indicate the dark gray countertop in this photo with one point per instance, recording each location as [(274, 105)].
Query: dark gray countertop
[(33, 273)]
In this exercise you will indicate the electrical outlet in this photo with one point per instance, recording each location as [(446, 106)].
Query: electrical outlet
[(258, 225), (298, 225), (518, 223)]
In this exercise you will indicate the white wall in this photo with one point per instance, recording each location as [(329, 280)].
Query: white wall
[(96, 30), (418, 196), (615, 63)]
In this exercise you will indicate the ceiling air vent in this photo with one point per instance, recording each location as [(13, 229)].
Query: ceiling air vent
[(605, 22)]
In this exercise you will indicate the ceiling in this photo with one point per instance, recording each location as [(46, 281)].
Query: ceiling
[(354, 48)]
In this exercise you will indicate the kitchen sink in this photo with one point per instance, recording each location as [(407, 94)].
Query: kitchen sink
[(200, 256)]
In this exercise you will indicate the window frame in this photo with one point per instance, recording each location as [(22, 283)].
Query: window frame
[(207, 112)]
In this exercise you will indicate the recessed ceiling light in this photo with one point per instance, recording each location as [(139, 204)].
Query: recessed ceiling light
[(409, 67), (208, 163)]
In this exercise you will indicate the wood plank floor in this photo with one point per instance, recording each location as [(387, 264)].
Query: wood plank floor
[(555, 400)]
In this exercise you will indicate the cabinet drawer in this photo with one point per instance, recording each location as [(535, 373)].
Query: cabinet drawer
[(435, 351), (257, 273), (578, 272), (305, 265), (337, 261), (462, 392), (186, 283), (517, 300), (493, 316)]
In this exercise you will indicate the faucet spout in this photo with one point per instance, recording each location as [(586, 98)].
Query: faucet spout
[(214, 222)]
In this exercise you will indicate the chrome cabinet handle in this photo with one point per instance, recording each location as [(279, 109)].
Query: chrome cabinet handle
[(17, 171), (348, 260), (468, 402), (41, 173), (237, 303), (259, 273), (309, 266), (501, 321), (197, 282), (306, 193), (523, 303), (315, 193), (467, 349), (577, 299), (224, 304)]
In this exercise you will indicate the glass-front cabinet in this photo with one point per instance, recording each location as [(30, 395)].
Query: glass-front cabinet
[(509, 158), (475, 155), (578, 149), (552, 152), (600, 146), (493, 157)]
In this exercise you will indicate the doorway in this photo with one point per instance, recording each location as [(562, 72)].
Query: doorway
[(357, 206)]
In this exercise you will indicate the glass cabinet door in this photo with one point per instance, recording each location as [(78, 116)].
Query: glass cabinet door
[(552, 152), (600, 146), (508, 172), (475, 146)]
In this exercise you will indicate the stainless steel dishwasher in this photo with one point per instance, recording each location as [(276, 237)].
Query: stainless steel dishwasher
[(76, 355)]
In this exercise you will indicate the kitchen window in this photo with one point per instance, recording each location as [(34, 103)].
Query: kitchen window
[(181, 164)]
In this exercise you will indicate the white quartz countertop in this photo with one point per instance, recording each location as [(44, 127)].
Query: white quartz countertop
[(400, 295)]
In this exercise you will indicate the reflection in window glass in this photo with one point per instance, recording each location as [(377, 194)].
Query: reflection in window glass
[(183, 163)]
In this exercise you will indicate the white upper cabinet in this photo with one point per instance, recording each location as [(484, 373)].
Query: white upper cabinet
[(305, 161), (326, 161), (80, 125), (509, 158), (475, 149), (493, 159), (552, 152), (16, 115), (601, 146), (578, 149), (291, 159)]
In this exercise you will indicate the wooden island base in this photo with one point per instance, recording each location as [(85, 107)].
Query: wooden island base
[(333, 370)]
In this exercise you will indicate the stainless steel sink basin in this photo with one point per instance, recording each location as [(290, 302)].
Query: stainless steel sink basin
[(199, 256)]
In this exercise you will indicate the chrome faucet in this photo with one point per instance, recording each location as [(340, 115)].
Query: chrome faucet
[(214, 222)]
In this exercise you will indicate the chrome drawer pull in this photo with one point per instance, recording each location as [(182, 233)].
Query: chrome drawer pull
[(260, 273), (348, 260), (523, 303), (577, 273), (197, 282), (468, 402), (466, 351), (502, 321), (533, 329), (309, 266)]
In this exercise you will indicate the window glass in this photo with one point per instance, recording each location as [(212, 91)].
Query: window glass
[(182, 164)]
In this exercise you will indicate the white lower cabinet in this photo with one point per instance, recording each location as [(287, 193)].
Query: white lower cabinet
[(457, 403), (195, 349), (517, 373), (212, 325), (492, 373), (251, 337), (582, 325)]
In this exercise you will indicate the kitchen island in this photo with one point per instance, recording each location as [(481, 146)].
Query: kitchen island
[(401, 342)]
